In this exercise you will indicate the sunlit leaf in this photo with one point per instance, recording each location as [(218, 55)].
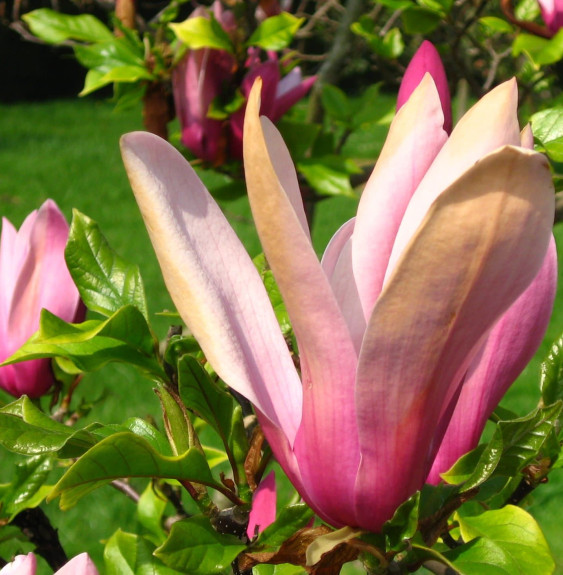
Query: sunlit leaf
[(200, 32), (275, 33)]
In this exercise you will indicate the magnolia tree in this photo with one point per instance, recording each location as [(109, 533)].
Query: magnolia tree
[(317, 416)]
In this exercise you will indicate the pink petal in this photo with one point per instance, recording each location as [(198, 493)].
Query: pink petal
[(414, 140), (212, 281), (290, 90), (508, 349), (21, 565), (490, 124), (479, 247), (552, 13), (427, 60), (79, 565), (263, 511), (328, 358)]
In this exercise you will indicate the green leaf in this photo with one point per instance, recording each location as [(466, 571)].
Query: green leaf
[(124, 337), (541, 51), (275, 33), (289, 520), (551, 380), (495, 24), (547, 128), (329, 175), (132, 554), (105, 281), (28, 489), (201, 32), (150, 512), (514, 445), (195, 547), (403, 524), (284, 569), (389, 46), (418, 20), (336, 103), (128, 455), (25, 429), (504, 541), (221, 186), (298, 137), (214, 405), (54, 27), (104, 56)]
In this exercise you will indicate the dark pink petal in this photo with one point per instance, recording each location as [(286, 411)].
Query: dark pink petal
[(427, 61), (508, 349), (292, 88), (263, 512), (552, 14)]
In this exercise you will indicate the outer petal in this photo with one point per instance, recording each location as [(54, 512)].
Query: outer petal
[(212, 281), (263, 511), (479, 247), (490, 124), (414, 139), (291, 89), (510, 346), (21, 565), (326, 447), (427, 60), (79, 565)]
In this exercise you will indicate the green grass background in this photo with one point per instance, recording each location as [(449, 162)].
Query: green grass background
[(68, 151)]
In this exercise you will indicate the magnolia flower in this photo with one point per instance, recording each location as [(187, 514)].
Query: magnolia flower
[(451, 236), (27, 565), (552, 14), (205, 75), (33, 276)]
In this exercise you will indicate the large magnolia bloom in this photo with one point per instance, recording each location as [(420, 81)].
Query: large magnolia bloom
[(413, 300)]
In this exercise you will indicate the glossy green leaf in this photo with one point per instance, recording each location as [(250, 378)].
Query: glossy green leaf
[(25, 429), (403, 524), (105, 281), (551, 380), (542, 51), (298, 137), (128, 455), (54, 27), (214, 405), (275, 33), (132, 554), (28, 488), (124, 337), (505, 541), (104, 56), (289, 520), (514, 445), (329, 175), (284, 569), (195, 547), (201, 32)]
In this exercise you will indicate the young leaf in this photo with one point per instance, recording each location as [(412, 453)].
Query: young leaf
[(200, 32), (105, 281), (275, 33), (288, 521), (132, 554), (329, 175), (150, 511), (128, 455), (541, 51), (194, 547), (506, 540), (551, 381), (403, 524), (54, 27), (104, 56), (124, 337)]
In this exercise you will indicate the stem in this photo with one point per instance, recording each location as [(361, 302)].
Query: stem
[(126, 489), (35, 525)]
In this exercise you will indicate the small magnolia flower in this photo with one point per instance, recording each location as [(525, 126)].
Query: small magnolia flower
[(27, 565), (414, 302), (33, 276), (263, 512), (552, 14)]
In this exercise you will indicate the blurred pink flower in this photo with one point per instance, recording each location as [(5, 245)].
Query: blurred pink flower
[(207, 74), (552, 14), (33, 276), (27, 565)]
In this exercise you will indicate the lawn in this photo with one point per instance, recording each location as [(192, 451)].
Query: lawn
[(68, 151)]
